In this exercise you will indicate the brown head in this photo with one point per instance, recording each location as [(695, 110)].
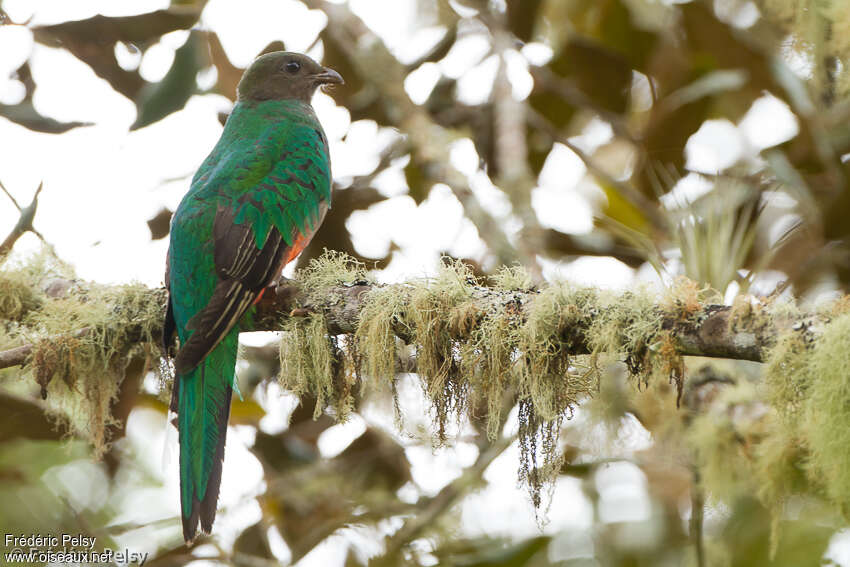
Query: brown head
[(282, 75)]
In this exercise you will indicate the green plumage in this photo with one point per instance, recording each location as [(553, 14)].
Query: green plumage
[(253, 204)]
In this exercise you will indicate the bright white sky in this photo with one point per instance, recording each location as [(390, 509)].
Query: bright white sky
[(102, 183)]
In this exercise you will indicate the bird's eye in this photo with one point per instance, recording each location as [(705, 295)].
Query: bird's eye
[(292, 67)]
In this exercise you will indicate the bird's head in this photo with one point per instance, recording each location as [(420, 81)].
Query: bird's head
[(282, 75)]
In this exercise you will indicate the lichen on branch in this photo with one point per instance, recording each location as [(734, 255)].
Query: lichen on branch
[(474, 344), (74, 339)]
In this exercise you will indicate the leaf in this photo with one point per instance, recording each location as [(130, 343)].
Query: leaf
[(25, 114), (246, 412), (228, 73), (158, 100), (160, 223), (522, 17), (417, 182), (93, 41)]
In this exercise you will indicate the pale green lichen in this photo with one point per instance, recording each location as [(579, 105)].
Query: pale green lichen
[(487, 359), (311, 360), (383, 313), (441, 313), (329, 270), (82, 334), (480, 349), (21, 283), (630, 324), (826, 410), (308, 361), (85, 339), (512, 278), (557, 320), (17, 295)]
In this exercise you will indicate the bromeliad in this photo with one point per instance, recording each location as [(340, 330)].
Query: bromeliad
[(252, 207)]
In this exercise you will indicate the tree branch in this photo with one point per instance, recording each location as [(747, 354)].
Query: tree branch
[(439, 504), (711, 331)]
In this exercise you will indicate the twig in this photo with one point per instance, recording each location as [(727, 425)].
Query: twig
[(440, 503), (15, 356), (515, 175), (6, 191), (24, 223)]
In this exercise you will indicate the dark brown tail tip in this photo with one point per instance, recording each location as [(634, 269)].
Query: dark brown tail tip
[(190, 524)]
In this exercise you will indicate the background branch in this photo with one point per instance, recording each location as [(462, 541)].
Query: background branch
[(24, 223)]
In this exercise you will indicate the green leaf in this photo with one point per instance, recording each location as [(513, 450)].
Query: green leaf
[(158, 100), (93, 41)]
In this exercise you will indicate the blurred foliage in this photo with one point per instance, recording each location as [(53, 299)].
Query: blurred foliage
[(654, 74)]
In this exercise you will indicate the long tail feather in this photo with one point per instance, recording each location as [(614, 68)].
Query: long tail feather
[(204, 396)]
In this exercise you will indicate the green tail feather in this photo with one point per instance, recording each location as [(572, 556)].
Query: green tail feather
[(203, 410)]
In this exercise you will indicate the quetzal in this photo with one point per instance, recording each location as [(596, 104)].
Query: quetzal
[(252, 207)]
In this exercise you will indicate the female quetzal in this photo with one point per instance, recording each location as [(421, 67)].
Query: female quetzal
[(252, 207)]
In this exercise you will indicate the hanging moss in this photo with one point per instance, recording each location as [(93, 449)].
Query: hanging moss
[(630, 324), (441, 314), (477, 348), (382, 316), (311, 361), (557, 320), (723, 438), (83, 336), (787, 376), (826, 410), (540, 456), (487, 359), (17, 296), (88, 337), (21, 283)]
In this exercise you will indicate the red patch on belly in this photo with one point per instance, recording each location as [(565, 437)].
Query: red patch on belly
[(300, 243)]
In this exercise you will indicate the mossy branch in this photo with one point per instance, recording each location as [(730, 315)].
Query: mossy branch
[(710, 330), (478, 348)]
